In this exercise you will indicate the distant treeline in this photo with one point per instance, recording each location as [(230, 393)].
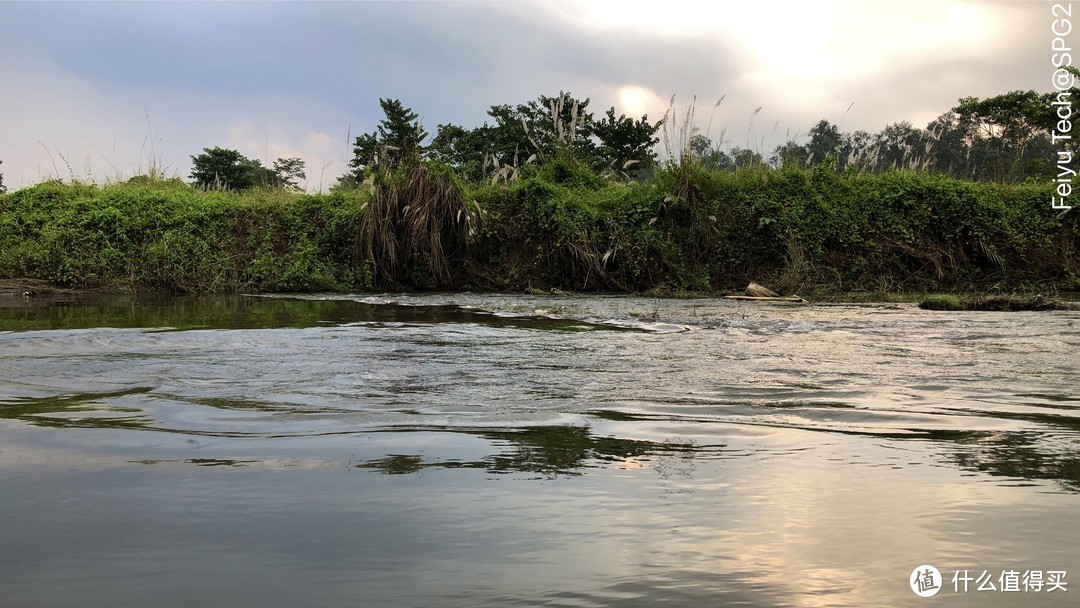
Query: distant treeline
[(1006, 139)]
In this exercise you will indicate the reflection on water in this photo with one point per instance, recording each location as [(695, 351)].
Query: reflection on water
[(1024, 457), (546, 450), (84, 410), (245, 312), (492, 450)]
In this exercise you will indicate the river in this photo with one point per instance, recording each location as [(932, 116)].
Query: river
[(480, 450)]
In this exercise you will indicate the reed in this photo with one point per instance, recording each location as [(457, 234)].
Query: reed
[(676, 136)]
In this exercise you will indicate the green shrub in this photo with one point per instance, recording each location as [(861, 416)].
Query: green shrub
[(942, 302)]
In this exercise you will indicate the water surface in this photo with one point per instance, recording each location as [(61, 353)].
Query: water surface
[(496, 450)]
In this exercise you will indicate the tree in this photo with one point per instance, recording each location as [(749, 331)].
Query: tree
[(287, 171), (790, 154), (949, 152), (824, 141), (744, 158), (365, 152), (539, 130), (3, 189), (397, 139), (400, 132), (626, 145), (855, 148), (700, 146), (535, 131), (709, 155), (542, 127), (1003, 131), (219, 168), (1007, 123), (901, 146), (466, 150), (229, 170)]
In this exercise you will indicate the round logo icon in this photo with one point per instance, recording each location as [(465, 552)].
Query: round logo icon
[(925, 581)]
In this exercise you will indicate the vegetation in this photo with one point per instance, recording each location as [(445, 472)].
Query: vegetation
[(171, 236), (797, 230), (541, 131), (943, 301), (396, 141), (549, 197), (222, 169)]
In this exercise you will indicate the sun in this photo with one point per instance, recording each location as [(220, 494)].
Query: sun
[(634, 100)]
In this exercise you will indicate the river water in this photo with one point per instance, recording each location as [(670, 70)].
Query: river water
[(502, 450)]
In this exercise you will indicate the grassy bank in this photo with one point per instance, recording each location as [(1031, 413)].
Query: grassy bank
[(993, 302), (687, 229), (169, 236)]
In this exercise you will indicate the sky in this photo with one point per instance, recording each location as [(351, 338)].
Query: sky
[(101, 91)]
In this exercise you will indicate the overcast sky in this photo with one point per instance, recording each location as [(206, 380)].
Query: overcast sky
[(112, 87)]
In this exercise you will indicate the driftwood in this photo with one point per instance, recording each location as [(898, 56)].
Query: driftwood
[(757, 291), (792, 299)]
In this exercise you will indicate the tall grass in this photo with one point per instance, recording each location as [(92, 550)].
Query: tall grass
[(676, 135), (150, 167), (417, 219)]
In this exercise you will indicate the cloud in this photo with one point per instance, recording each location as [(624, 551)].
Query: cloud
[(72, 127), (300, 78)]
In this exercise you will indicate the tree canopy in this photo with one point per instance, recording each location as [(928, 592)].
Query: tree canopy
[(222, 168), (538, 131), (398, 138), (1002, 138), (1005, 138)]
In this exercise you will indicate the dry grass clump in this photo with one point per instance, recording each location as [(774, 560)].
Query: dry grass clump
[(416, 218)]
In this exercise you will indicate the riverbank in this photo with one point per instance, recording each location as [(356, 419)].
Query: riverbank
[(23, 293), (814, 233)]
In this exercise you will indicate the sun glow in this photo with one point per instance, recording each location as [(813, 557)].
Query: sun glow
[(831, 39), (634, 100)]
